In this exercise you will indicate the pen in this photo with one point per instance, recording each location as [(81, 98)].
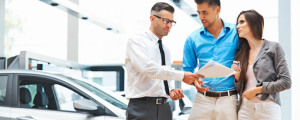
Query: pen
[(237, 64)]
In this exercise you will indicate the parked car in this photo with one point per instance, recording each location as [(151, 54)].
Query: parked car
[(36, 95)]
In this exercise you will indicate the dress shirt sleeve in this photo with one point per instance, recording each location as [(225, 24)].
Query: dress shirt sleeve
[(171, 85), (189, 62), (284, 80), (137, 53)]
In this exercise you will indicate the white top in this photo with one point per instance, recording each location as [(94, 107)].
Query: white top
[(251, 82), (145, 72)]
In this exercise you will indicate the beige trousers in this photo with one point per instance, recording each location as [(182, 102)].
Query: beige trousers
[(214, 108), (265, 110)]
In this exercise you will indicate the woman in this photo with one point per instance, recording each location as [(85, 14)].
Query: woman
[(261, 70)]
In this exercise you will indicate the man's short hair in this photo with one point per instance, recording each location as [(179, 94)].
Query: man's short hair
[(162, 6), (210, 2)]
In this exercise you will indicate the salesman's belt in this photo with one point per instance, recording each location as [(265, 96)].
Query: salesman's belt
[(156, 100), (219, 94)]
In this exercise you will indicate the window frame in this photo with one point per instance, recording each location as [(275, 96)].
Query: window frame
[(18, 77), (7, 99)]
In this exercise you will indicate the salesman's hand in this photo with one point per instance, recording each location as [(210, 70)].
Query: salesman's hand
[(176, 94), (198, 86), (189, 77)]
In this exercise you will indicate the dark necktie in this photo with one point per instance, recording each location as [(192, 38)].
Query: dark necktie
[(163, 62)]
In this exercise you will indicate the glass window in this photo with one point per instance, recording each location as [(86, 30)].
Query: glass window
[(34, 93), (101, 94), (2, 62), (65, 97), (107, 79), (3, 83), (37, 29), (26, 98)]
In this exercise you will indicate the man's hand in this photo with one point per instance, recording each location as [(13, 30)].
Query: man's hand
[(251, 93), (189, 77), (176, 94), (198, 84)]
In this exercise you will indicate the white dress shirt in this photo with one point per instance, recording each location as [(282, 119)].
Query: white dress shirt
[(145, 72)]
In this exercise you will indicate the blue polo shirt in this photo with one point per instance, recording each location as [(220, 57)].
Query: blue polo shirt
[(201, 47)]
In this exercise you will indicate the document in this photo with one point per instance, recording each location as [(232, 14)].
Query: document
[(215, 70)]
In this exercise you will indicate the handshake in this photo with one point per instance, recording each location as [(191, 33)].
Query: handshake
[(189, 78)]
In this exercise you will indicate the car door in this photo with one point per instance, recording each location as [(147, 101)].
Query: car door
[(46, 99), (5, 96)]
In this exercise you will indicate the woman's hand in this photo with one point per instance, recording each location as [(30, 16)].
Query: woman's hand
[(251, 93), (237, 68)]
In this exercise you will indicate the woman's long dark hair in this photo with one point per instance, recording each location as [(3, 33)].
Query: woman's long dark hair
[(256, 24)]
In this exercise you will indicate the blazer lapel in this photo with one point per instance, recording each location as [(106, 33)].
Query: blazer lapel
[(262, 51)]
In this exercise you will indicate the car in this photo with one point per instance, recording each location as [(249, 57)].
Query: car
[(37, 95)]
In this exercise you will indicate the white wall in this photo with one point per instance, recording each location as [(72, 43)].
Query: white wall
[(295, 58)]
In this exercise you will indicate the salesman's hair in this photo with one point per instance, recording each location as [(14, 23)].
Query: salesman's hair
[(162, 6)]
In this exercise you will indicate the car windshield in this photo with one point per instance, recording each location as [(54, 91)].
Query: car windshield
[(100, 93)]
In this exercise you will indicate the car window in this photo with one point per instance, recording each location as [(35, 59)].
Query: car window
[(35, 92), (3, 84), (44, 93), (33, 96), (101, 94), (65, 97), (27, 95)]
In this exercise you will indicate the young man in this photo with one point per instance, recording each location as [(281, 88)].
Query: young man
[(148, 66), (216, 40)]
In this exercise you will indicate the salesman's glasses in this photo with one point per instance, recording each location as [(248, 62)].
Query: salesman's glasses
[(166, 20)]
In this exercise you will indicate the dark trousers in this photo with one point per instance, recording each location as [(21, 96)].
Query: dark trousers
[(148, 110)]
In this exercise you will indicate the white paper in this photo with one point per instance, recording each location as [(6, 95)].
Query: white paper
[(215, 70)]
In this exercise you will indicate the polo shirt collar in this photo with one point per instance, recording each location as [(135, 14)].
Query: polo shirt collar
[(226, 26)]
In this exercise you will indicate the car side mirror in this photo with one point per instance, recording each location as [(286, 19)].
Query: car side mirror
[(85, 105)]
